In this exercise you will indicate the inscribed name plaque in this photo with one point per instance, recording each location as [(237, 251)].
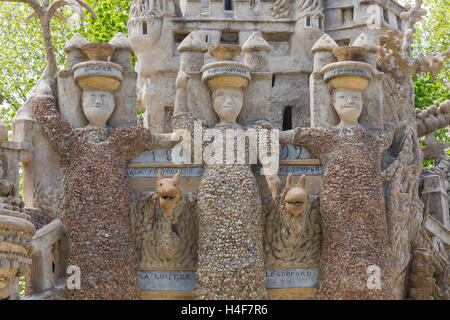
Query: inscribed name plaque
[(309, 170), (167, 172), (167, 281), (287, 152), (300, 170), (295, 278)]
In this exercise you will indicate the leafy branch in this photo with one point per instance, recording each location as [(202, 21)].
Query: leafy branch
[(45, 12), (395, 53)]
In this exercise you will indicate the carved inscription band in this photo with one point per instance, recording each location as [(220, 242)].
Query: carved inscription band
[(183, 281)]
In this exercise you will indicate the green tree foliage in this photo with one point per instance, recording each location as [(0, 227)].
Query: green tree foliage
[(433, 35), (112, 19), (22, 58)]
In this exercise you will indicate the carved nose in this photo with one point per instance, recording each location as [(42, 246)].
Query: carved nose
[(98, 100)]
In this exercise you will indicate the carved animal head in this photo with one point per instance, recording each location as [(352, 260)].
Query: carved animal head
[(168, 191), (294, 198)]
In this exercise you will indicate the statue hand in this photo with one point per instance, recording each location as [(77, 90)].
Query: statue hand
[(263, 124), (287, 137), (274, 183), (176, 135), (165, 140)]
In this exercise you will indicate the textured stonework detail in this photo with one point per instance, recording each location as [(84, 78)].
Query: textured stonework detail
[(292, 239), (231, 262), (423, 282), (97, 201), (9, 193), (231, 257), (354, 231), (165, 238), (402, 164), (16, 232), (309, 7)]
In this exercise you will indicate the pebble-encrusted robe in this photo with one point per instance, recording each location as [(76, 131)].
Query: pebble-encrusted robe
[(97, 201), (352, 209), (231, 260)]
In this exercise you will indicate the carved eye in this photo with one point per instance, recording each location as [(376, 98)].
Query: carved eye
[(160, 184)]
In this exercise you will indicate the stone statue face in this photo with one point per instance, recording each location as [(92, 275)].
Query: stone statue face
[(348, 105), (98, 106), (228, 102)]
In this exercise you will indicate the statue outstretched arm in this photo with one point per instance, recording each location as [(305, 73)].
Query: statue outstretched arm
[(316, 140), (59, 132), (132, 141)]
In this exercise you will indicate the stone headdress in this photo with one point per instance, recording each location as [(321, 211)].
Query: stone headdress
[(349, 72), (225, 72), (98, 73)]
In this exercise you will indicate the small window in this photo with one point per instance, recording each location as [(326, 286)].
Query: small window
[(144, 28), (287, 118), (168, 114), (386, 15), (320, 23), (206, 38), (273, 80), (179, 37), (53, 261), (347, 15), (229, 37), (308, 21), (228, 5)]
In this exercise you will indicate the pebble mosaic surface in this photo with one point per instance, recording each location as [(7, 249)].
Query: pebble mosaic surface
[(97, 201), (352, 209), (231, 264)]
